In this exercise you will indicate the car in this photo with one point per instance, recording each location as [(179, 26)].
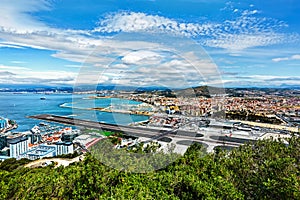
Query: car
[(46, 163)]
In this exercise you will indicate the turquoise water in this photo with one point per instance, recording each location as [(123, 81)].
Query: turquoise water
[(84, 103), (18, 106)]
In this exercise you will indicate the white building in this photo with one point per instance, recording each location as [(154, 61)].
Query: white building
[(41, 151), (18, 144), (64, 148)]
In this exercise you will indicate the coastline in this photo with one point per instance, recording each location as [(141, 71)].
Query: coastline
[(131, 112), (131, 109)]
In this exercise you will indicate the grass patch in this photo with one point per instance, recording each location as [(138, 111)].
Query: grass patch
[(105, 133)]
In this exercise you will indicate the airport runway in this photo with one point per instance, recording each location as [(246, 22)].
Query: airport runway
[(140, 131)]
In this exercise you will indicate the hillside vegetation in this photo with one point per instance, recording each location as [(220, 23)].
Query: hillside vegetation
[(264, 170)]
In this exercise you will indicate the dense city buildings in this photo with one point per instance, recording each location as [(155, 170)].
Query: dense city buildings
[(282, 109), (37, 143)]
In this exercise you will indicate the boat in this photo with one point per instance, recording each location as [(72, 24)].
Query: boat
[(43, 98), (43, 124)]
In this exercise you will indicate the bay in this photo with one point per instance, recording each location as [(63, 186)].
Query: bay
[(18, 106)]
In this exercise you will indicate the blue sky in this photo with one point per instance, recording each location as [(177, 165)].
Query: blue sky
[(176, 43)]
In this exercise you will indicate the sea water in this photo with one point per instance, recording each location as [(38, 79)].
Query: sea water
[(18, 106)]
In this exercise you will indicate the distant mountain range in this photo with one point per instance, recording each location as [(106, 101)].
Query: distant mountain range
[(200, 91), (209, 91), (193, 91), (33, 88), (286, 86), (77, 88)]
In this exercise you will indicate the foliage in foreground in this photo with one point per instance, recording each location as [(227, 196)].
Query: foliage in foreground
[(264, 170)]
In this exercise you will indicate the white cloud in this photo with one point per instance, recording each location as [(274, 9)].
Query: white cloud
[(142, 58), (248, 31), (142, 22), (243, 32), (76, 45), (91, 76), (14, 68), (183, 70), (4, 45), (20, 75), (279, 59), (293, 57), (119, 66), (73, 66), (250, 12), (18, 62), (238, 42), (6, 74), (15, 16), (262, 81)]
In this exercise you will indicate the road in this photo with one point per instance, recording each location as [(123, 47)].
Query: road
[(60, 161), (270, 126)]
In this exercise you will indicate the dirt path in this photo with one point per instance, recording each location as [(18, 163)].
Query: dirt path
[(60, 161)]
